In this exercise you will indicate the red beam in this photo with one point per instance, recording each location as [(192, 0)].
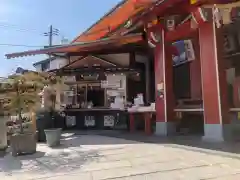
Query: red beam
[(182, 31), (160, 8), (180, 8), (154, 9)]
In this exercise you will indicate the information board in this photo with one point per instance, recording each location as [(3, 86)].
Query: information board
[(70, 121), (89, 121), (109, 120)]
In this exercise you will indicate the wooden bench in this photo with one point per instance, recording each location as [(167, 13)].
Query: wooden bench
[(189, 102), (188, 106), (234, 109)]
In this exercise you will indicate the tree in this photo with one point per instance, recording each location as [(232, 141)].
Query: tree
[(21, 94)]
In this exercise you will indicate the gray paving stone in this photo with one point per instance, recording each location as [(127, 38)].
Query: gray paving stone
[(98, 157), (173, 175), (152, 159), (140, 177), (145, 169), (79, 176), (105, 165), (231, 177), (208, 172)]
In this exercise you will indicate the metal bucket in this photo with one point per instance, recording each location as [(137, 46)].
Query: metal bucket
[(53, 136)]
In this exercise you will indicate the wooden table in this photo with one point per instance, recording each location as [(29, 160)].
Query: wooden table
[(147, 120)]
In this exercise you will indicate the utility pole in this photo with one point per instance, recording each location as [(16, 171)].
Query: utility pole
[(52, 32), (50, 35)]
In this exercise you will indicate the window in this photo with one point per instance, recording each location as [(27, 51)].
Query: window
[(45, 66)]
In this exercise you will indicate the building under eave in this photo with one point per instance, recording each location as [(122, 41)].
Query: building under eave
[(180, 54)]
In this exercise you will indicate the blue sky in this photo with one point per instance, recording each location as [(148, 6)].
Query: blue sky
[(23, 22)]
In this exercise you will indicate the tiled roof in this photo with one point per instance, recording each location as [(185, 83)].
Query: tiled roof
[(112, 20)]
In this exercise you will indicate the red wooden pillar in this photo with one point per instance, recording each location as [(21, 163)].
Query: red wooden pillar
[(164, 88), (131, 122), (195, 73), (214, 84), (147, 121)]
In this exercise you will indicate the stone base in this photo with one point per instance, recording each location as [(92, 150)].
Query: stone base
[(235, 127), (217, 132), (165, 128)]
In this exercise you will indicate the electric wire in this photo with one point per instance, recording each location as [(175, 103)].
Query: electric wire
[(20, 45)]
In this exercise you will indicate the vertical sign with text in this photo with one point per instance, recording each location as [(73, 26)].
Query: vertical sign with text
[(89, 121), (109, 120)]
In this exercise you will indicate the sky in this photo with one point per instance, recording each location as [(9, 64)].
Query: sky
[(23, 22)]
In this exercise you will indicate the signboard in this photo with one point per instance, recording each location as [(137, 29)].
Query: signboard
[(70, 121), (89, 121), (189, 50), (184, 52), (109, 120), (111, 84), (68, 93), (69, 79), (104, 84)]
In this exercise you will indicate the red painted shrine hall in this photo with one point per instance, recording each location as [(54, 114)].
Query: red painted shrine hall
[(192, 72)]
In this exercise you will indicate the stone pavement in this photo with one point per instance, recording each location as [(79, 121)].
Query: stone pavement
[(95, 157)]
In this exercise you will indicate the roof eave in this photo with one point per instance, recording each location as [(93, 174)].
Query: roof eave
[(103, 17)]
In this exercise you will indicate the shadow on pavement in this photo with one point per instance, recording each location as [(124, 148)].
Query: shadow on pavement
[(63, 159), (192, 143)]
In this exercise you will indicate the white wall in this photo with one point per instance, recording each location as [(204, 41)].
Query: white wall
[(58, 63), (38, 68), (121, 59), (54, 64), (117, 77), (112, 79)]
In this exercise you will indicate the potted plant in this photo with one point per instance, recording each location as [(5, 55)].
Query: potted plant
[(3, 120), (22, 97), (52, 133), (3, 133)]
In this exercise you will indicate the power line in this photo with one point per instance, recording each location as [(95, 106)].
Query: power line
[(52, 32), (16, 26), (19, 45), (27, 30), (20, 29)]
